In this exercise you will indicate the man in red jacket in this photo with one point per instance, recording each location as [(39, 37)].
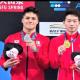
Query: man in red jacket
[(63, 46), (34, 59)]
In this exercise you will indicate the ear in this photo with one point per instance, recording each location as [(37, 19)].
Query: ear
[(37, 21), (63, 22), (21, 20)]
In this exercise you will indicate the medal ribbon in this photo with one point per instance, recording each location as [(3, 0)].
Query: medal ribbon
[(72, 41), (33, 37)]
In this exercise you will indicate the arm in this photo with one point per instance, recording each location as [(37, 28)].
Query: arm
[(5, 63), (53, 54), (42, 56)]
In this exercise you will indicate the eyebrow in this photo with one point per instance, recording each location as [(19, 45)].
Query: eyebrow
[(72, 19)]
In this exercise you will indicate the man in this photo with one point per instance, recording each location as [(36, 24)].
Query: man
[(34, 59), (63, 46)]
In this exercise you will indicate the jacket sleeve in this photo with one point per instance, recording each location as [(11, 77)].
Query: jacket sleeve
[(42, 56), (53, 54), (2, 59)]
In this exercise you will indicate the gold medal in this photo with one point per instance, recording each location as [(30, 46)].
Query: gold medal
[(66, 44)]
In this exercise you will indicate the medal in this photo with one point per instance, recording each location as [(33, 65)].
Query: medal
[(66, 44)]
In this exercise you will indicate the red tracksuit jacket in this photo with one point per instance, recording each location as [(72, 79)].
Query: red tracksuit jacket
[(64, 62), (37, 62)]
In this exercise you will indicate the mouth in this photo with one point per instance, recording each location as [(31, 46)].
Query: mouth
[(71, 27)]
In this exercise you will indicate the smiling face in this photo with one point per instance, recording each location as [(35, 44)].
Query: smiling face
[(71, 23), (30, 21), (12, 53)]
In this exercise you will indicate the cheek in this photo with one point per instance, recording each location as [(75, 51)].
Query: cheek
[(77, 25), (36, 21), (66, 25), (24, 21)]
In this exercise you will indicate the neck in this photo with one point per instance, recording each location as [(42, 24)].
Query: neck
[(71, 33), (29, 31)]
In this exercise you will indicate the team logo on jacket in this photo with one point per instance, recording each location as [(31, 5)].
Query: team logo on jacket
[(16, 41), (38, 43)]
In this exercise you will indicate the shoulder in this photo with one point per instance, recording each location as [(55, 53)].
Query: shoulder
[(42, 37), (14, 35), (58, 38)]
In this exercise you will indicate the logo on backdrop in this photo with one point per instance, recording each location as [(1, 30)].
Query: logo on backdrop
[(78, 6), (15, 6), (51, 28), (60, 5)]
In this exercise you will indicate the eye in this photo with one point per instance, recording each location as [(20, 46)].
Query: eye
[(68, 21), (33, 18), (27, 18)]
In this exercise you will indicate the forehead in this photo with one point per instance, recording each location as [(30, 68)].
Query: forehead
[(74, 17), (30, 14)]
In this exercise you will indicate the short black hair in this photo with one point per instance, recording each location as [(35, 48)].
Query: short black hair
[(31, 9), (9, 46), (72, 11), (74, 54)]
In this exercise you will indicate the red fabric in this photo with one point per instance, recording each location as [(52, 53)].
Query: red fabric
[(64, 62), (37, 62)]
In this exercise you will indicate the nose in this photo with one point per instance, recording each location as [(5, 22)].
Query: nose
[(30, 19), (71, 23)]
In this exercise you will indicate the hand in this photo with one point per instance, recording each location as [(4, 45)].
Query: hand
[(78, 64), (11, 62), (61, 49), (78, 67), (73, 66), (32, 45)]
